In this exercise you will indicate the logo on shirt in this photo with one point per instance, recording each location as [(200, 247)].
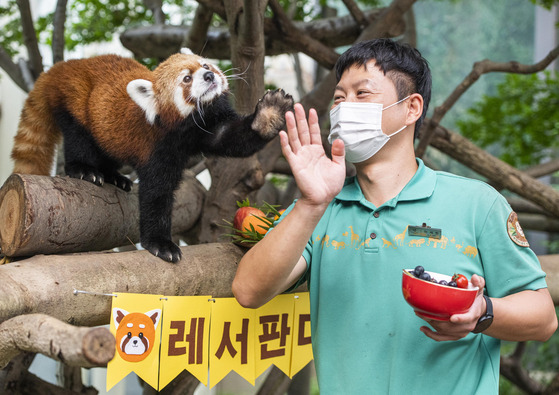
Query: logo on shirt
[(515, 232)]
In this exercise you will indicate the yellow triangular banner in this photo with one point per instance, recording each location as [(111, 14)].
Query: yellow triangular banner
[(231, 341), (302, 348), (135, 323), (274, 332), (185, 338)]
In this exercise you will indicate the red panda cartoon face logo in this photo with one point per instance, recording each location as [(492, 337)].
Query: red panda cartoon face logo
[(135, 333)]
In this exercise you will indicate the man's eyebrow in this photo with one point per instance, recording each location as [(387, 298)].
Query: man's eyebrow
[(365, 81)]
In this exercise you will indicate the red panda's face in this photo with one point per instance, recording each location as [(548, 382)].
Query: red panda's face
[(180, 85), (188, 81)]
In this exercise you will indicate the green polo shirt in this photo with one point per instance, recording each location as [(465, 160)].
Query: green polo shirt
[(366, 338)]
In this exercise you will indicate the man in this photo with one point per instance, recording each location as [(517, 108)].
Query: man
[(351, 243)]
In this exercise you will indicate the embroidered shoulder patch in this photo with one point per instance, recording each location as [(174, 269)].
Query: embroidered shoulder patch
[(515, 232)]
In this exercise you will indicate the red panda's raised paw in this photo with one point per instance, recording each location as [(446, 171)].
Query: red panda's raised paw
[(270, 113)]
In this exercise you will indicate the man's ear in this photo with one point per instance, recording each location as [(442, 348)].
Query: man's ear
[(141, 91), (415, 108)]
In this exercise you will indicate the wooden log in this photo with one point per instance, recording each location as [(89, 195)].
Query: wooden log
[(550, 265), (39, 333), (53, 215), (45, 283), (538, 222)]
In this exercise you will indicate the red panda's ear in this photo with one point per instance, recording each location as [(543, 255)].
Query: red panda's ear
[(187, 51), (155, 316), (118, 315), (141, 91)]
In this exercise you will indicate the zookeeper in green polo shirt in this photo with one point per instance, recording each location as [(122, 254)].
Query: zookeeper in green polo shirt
[(350, 242)]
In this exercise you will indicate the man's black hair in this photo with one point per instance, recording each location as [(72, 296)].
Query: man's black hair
[(401, 63)]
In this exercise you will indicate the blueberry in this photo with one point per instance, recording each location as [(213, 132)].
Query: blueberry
[(443, 282), (452, 284), (425, 276), (418, 271)]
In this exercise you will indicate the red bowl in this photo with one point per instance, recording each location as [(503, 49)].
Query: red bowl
[(436, 301)]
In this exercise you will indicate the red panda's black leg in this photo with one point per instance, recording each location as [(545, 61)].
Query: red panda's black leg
[(158, 181), (84, 159)]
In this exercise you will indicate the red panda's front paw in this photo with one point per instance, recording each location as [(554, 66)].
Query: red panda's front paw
[(270, 113), (164, 249)]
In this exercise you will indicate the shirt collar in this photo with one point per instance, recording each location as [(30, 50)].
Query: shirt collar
[(421, 186)]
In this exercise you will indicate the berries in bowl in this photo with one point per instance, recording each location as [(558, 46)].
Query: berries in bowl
[(437, 296)]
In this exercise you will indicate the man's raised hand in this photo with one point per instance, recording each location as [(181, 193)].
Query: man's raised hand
[(318, 177)]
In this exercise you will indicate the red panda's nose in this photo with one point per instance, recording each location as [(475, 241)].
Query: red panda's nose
[(209, 76)]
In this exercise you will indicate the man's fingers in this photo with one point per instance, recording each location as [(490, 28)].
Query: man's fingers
[(302, 125), (338, 151), (315, 137), (292, 135)]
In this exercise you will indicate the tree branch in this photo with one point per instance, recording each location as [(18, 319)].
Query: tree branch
[(196, 37), (39, 333), (479, 68), (30, 38), (45, 283), (58, 42), (156, 7), (511, 368), (391, 21), (356, 13), (300, 41), (216, 6), (13, 70), (543, 169), (162, 41), (467, 153)]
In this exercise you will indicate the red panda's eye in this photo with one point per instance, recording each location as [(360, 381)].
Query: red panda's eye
[(129, 335), (187, 78), (141, 335), (206, 66)]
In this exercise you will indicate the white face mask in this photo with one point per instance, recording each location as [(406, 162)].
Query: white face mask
[(358, 125)]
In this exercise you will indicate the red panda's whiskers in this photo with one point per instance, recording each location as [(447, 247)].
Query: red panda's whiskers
[(236, 76), (201, 113)]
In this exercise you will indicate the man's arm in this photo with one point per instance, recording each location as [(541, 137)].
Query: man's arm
[(275, 263)]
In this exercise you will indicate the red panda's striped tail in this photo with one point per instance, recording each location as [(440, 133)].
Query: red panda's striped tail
[(36, 139)]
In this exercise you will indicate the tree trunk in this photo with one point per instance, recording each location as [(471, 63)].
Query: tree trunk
[(234, 179), (49, 215), (46, 283), (39, 333)]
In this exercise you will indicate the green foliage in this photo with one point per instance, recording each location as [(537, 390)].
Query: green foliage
[(547, 4), (98, 20), (12, 36), (88, 21), (521, 121)]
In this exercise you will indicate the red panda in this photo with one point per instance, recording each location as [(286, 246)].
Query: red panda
[(112, 111)]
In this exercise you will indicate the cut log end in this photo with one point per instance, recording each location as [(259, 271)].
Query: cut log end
[(11, 216), (98, 346)]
